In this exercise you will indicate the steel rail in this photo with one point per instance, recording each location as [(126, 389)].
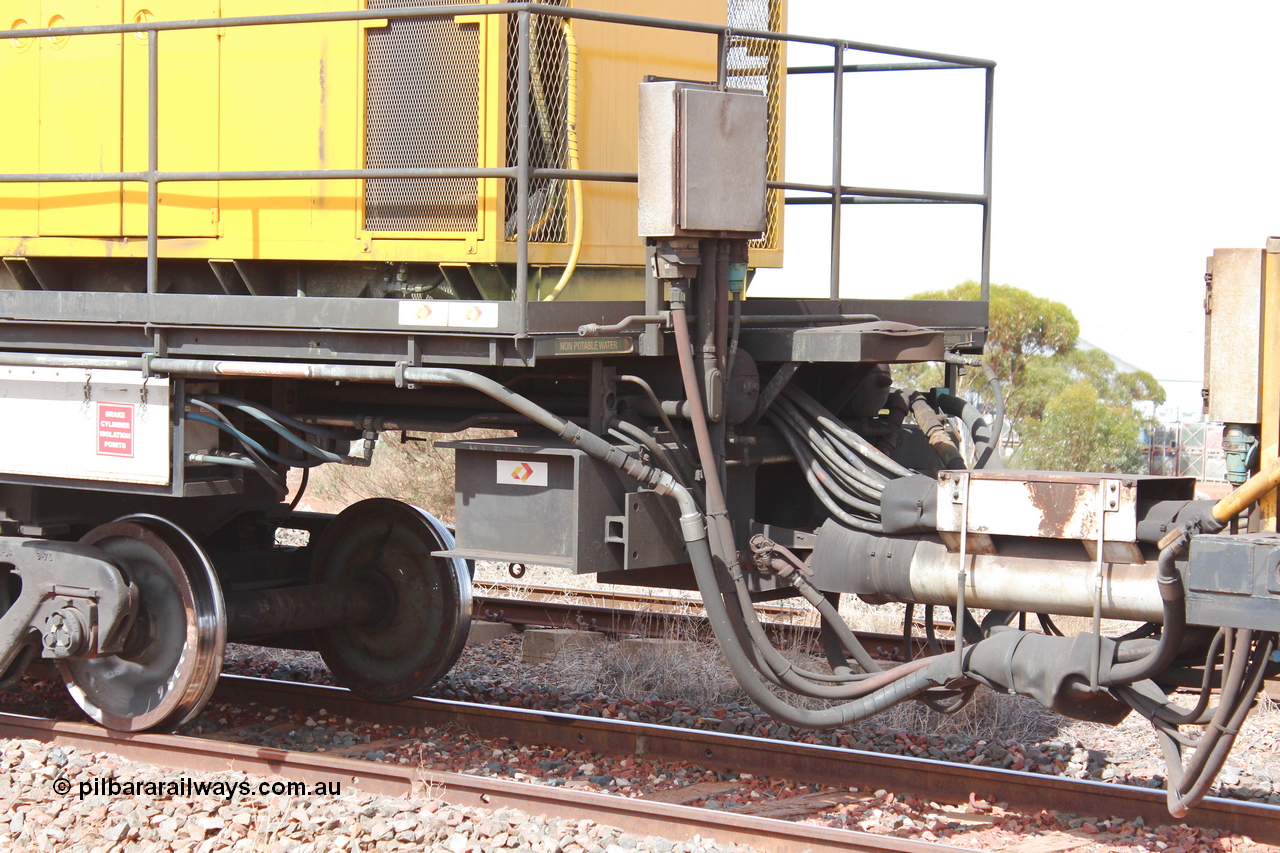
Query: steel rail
[(623, 597), (641, 817), (653, 616), (808, 763)]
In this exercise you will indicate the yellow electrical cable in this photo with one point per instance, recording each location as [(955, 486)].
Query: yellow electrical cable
[(575, 187)]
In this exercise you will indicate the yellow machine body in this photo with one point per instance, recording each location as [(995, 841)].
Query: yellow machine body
[(343, 95)]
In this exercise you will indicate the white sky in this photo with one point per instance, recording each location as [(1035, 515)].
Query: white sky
[(1131, 139)]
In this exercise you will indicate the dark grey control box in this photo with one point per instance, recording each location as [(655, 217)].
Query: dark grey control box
[(1234, 581), (546, 503)]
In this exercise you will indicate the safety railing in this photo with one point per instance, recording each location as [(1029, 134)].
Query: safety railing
[(835, 194)]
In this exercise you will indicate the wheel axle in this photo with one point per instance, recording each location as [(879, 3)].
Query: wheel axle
[(261, 612)]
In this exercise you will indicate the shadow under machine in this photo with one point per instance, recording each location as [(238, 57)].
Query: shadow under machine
[(241, 243)]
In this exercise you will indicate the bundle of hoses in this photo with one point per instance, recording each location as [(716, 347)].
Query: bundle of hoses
[(845, 472), (255, 455), (1245, 656)]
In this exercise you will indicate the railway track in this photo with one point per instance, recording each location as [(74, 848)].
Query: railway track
[(648, 615), (927, 779), (638, 817)]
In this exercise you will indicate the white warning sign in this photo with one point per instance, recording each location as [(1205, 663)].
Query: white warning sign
[(115, 429), (521, 473), (103, 425)]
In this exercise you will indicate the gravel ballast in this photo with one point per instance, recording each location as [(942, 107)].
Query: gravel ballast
[(495, 673), (36, 818)]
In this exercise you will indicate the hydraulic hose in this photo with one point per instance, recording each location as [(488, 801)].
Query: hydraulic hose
[(987, 447), (997, 395), (848, 436), (1169, 646), (265, 414), (634, 433), (215, 412), (997, 420), (1222, 733), (936, 432), (810, 471), (253, 445), (662, 415), (827, 479), (831, 645), (717, 510), (270, 420), (905, 682), (899, 685), (858, 477), (786, 674)]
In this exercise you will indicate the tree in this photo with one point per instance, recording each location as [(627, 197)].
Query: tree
[(1072, 408)]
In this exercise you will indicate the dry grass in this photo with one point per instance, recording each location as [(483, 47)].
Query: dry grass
[(990, 716), (413, 469), (694, 673), (684, 669)]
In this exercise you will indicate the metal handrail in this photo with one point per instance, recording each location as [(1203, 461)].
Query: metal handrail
[(838, 194)]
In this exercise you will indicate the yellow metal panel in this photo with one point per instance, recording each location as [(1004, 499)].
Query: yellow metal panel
[(289, 100), (492, 155), (1270, 392), (612, 62), (292, 97), (188, 113), (80, 118), (20, 143)]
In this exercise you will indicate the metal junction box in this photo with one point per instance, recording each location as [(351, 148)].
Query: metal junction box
[(702, 160), (1052, 505), (1234, 581), (546, 503), (1233, 336), (102, 425)]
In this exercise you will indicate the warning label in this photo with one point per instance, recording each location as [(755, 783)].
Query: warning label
[(115, 429), (521, 473)]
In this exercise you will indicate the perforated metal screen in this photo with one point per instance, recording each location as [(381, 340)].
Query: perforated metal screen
[(421, 111), (756, 64), (548, 127)]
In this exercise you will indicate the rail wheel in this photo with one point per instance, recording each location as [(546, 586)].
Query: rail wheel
[(173, 653), (427, 599)]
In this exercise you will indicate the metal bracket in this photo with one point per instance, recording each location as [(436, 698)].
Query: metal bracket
[(73, 603), (960, 495), (771, 391), (414, 359), (615, 529), (1108, 503)]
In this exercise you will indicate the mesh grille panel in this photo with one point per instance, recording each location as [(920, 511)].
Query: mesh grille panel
[(421, 111), (756, 64), (548, 127)]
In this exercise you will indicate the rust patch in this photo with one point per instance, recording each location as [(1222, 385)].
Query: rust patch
[(1057, 507)]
